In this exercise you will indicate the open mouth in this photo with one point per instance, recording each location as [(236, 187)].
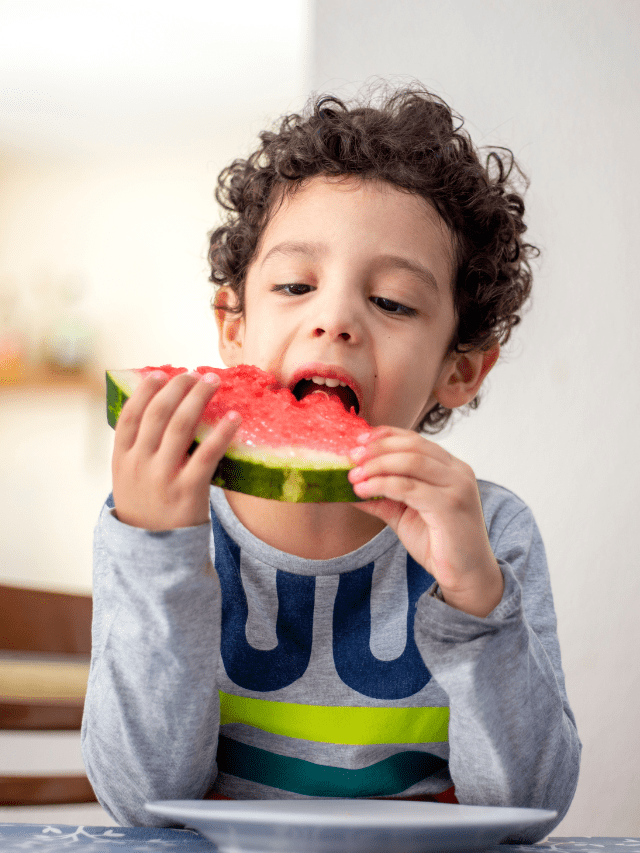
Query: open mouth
[(330, 387)]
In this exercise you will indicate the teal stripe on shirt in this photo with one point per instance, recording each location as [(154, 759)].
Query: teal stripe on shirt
[(390, 776)]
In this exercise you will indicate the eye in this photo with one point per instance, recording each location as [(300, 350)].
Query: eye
[(391, 307), (292, 289)]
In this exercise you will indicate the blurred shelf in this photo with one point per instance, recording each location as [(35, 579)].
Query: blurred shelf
[(16, 376), (29, 679)]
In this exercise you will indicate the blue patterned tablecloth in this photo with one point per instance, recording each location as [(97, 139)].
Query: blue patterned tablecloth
[(23, 837)]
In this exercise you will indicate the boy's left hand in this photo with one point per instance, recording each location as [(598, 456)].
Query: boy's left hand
[(431, 500)]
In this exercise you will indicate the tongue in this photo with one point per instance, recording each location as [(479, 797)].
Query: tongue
[(345, 395)]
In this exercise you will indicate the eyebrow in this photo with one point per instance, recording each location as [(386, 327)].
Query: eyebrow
[(382, 262), (397, 262), (291, 248)]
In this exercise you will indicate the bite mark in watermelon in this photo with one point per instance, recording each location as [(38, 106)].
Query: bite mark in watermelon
[(285, 449)]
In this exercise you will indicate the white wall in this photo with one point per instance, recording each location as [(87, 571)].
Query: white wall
[(557, 83)]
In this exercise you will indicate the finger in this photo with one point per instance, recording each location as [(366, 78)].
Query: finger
[(396, 441), (374, 433), (417, 466), (406, 490), (160, 410), (387, 510), (183, 423), (205, 458), (134, 408)]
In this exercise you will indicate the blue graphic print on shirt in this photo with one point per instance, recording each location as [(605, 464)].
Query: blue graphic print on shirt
[(272, 669), (259, 669), (354, 661)]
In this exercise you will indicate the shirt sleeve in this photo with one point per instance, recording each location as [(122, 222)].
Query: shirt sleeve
[(151, 717), (512, 735)]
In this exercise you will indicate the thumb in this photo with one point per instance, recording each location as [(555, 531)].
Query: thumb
[(387, 510), (211, 450)]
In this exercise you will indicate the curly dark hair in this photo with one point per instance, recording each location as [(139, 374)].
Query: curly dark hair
[(413, 140)]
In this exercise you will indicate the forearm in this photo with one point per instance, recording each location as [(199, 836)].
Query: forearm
[(512, 736), (151, 713)]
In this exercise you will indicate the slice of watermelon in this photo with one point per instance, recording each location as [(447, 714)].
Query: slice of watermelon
[(285, 449)]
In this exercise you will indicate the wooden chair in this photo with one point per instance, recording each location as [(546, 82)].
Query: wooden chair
[(45, 645)]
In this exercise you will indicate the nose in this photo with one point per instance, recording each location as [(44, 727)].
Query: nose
[(318, 332), (338, 318)]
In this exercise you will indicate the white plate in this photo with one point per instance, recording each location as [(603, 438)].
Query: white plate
[(348, 826)]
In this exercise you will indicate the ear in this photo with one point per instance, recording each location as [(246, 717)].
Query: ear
[(463, 374), (230, 327)]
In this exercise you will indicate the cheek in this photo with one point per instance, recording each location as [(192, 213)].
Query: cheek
[(406, 395)]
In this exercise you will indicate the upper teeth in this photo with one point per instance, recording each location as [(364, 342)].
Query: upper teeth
[(327, 380)]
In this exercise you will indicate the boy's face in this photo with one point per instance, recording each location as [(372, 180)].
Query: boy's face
[(352, 283)]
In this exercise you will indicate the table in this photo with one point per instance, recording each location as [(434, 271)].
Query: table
[(21, 837)]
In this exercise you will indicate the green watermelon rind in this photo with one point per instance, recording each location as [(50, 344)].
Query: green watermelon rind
[(277, 475)]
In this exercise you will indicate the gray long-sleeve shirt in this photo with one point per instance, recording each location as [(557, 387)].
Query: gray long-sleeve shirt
[(275, 676)]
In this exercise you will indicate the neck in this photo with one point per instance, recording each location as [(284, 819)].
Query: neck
[(312, 531)]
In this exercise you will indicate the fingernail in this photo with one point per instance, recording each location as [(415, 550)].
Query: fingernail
[(232, 416), (361, 489), (356, 453), (355, 474), (158, 374), (210, 378), (363, 438)]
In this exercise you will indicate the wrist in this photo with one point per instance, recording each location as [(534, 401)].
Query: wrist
[(478, 599)]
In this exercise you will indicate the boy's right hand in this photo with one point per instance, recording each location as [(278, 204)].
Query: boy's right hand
[(156, 484)]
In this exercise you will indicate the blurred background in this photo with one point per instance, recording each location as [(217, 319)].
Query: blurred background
[(115, 119)]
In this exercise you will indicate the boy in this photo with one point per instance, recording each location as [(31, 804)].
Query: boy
[(397, 647)]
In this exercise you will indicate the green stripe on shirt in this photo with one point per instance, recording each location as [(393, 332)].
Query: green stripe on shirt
[(390, 776), (337, 724)]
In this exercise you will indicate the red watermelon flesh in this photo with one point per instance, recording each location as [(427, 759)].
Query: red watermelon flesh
[(285, 449), (272, 416)]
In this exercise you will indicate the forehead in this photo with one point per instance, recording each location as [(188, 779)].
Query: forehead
[(362, 216)]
